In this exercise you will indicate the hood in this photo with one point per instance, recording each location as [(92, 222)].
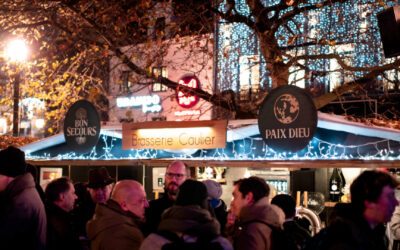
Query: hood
[(19, 184), (191, 220), (263, 211), (107, 216)]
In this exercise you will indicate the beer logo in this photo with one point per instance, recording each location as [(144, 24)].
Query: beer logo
[(287, 119), (82, 127), (286, 108), (187, 100)]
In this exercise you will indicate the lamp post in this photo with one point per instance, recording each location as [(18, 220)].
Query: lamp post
[(16, 52)]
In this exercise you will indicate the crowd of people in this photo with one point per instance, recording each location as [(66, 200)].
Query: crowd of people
[(104, 214)]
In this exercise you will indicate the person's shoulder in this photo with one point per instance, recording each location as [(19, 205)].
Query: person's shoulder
[(160, 202), (153, 242)]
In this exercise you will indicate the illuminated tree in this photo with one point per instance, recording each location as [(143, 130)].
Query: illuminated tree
[(282, 42), (72, 42)]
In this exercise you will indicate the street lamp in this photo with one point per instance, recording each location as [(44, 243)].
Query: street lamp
[(16, 52)]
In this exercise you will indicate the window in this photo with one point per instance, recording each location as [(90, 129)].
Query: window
[(249, 76), (159, 71), (126, 83)]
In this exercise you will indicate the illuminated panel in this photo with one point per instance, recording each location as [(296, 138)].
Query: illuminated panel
[(149, 103), (187, 100), (174, 135)]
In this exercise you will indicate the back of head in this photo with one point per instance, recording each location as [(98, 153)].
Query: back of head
[(192, 192), (12, 162), (214, 189), (125, 189), (286, 203), (368, 186), (56, 187), (254, 184)]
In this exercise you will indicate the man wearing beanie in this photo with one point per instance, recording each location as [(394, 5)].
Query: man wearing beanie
[(217, 206), (188, 223), (22, 215)]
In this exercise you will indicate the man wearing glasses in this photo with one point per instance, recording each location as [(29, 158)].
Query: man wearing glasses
[(176, 173)]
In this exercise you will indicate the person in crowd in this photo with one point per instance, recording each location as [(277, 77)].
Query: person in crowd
[(33, 171), (96, 191), (60, 200), (217, 206), (117, 223), (393, 230), (22, 214), (360, 224), (176, 173), (254, 214), (188, 222), (292, 230)]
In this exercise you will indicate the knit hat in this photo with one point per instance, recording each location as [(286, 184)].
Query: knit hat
[(12, 162), (192, 192), (214, 189), (99, 178)]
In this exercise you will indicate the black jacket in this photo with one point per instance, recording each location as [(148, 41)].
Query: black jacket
[(348, 230), (154, 212), (22, 216), (61, 232)]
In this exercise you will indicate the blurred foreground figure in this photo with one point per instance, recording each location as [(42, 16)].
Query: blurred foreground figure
[(117, 223), (188, 224), (22, 215), (292, 230), (361, 223)]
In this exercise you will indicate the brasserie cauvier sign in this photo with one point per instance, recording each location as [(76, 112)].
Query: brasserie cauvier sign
[(174, 135), (82, 127), (287, 119)]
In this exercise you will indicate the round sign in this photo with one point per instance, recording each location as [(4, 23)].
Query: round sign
[(187, 100), (287, 119), (82, 127)]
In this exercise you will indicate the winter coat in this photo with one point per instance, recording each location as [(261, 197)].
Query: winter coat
[(112, 228), (154, 212), (393, 229), (250, 232), (61, 232), (22, 216), (348, 230), (294, 232), (188, 222)]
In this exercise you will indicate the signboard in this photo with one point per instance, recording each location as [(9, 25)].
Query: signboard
[(148, 103), (82, 127), (287, 119), (174, 135), (187, 100)]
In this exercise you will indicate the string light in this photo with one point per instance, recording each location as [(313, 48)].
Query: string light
[(249, 148), (349, 29)]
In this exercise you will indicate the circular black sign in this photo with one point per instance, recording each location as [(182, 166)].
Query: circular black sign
[(82, 127), (287, 119)]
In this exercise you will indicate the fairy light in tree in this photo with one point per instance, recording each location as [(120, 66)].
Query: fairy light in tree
[(351, 22)]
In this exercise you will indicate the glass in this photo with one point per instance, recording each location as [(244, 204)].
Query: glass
[(172, 175)]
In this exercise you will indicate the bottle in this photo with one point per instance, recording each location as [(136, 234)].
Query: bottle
[(343, 181), (335, 186)]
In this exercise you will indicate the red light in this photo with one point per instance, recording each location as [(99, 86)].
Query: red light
[(187, 100)]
